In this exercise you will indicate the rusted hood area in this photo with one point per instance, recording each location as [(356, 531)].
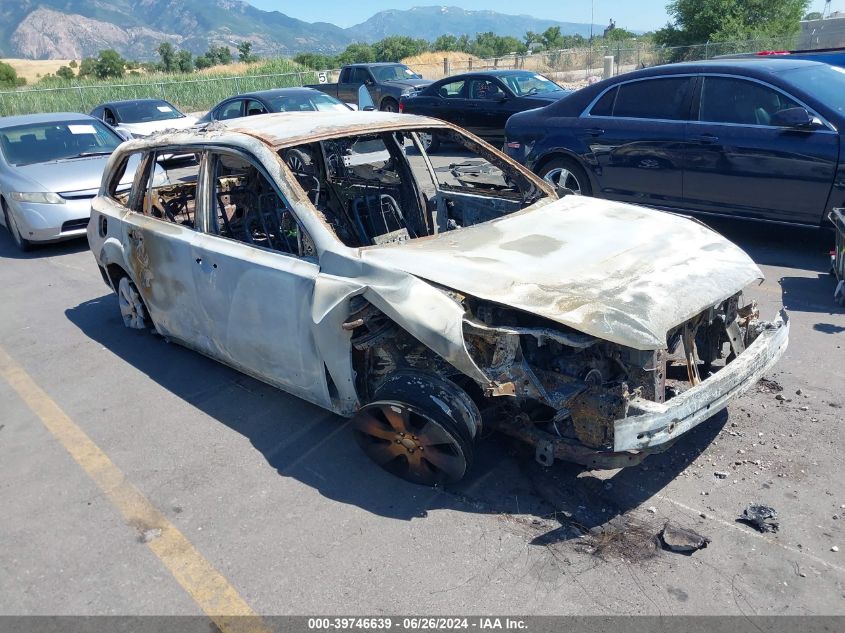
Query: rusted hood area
[(619, 272)]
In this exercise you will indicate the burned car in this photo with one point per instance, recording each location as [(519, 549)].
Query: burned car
[(325, 254)]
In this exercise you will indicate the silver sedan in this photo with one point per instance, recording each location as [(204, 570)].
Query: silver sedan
[(50, 170)]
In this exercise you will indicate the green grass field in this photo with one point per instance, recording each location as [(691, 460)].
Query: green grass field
[(190, 92)]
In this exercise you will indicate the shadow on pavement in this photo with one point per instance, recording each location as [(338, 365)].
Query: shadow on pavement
[(316, 447), (8, 250)]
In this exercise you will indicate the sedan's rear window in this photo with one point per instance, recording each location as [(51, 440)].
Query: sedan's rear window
[(663, 98)]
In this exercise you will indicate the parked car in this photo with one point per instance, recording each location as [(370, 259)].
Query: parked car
[(411, 299), (50, 170), (279, 100), (482, 102), (142, 117), (755, 138), (386, 82)]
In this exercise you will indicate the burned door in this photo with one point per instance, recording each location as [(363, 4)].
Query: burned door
[(254, 272)]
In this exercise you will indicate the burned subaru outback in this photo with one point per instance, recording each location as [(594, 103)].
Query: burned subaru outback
[(326, 254)]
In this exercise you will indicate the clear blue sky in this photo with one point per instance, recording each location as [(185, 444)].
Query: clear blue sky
[(640, 15)]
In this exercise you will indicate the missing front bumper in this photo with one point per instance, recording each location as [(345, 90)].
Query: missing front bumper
[(652, 427)]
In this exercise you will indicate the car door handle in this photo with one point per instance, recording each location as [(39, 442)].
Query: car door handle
[(706, 138), (594, 131)]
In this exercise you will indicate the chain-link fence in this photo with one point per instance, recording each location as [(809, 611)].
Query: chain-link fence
[(188, 94), (577, 65), (571, 67)]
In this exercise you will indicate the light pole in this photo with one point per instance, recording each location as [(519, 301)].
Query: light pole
[(592, 17)]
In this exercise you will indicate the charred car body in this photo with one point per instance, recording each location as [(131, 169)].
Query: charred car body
[(324, 254)]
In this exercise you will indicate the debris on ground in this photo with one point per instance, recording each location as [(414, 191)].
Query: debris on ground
[(760, 517), (682, 540), (622, 537), (768, 386), (834, 549), (721, 474)]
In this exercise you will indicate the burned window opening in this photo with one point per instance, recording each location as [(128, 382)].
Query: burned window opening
[(172, 192), (249, 209), (379, 189)]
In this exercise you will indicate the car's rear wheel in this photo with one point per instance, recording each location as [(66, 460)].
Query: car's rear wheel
[(389, 105), (566, 174), (132, 307), (419, 427), (23, 245)]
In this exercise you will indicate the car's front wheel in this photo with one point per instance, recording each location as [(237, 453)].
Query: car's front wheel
[(23, 245), (389, 105), (419, 427), (566, 174)]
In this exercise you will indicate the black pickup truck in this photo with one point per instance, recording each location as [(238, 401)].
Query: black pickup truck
[(386, 83)]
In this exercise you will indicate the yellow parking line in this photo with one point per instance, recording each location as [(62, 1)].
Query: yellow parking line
[(209, 589)]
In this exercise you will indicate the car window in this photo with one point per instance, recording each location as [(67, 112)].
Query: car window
[(144, 111), (451, 90), (172, 189), (525, 85), (731, 100), (254, 107), (33, 143), (604, 106), (119, 186), (484, 89), (109, 117), (662, 98), (358, 75), (231, 110), (249, 208)]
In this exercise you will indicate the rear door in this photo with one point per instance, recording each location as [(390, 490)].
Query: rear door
[(740, 164), (634, 133), (446, 102), (158, 239)]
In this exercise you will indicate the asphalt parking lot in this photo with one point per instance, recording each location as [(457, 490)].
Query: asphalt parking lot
[(134, 472)]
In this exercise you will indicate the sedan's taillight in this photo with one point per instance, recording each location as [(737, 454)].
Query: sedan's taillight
[(401, 106)]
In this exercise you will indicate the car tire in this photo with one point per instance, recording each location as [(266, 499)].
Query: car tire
[(431, 142), (23, 245), (419, 427), (574, 177), (298, 161), (132, 308), (389, 105)]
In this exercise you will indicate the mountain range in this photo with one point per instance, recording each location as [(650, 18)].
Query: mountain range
[(72, 29)]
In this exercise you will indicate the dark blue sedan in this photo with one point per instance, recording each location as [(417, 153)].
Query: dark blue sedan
[(748, 138), (482, 101)]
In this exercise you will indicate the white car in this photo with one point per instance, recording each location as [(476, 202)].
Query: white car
[(142, 117), (326, 254)]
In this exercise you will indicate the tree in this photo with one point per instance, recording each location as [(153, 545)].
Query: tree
[(551, 38), (245, 52), (87, 67), (700, 21), (109, 64), (813, 15), (316, 61), (72, 63), (184, 62), (9, 77), (167, 53), (491, 45), (396, 47), (65, 72), (445, 43), (618, 35), (357, 53)]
